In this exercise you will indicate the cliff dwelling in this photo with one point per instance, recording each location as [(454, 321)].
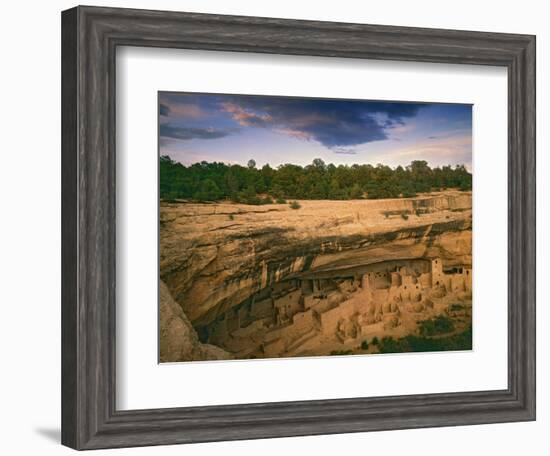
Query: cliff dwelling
[(268, 281), (318, 313), (270, 256)]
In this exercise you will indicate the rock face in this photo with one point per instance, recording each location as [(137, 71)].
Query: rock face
[(178, 339), (338, 310), (215, 256)]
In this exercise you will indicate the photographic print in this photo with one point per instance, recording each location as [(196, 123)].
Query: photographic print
[(293, 227)]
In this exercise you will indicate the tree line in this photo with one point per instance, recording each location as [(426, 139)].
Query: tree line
[(215, 181)]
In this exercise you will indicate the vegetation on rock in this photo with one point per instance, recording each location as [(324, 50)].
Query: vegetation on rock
[(411, 343), (436, 326)]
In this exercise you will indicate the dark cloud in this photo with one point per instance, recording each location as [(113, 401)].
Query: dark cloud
[(396, 112), (188, 105), (333, 123), (164, 110), (337, 150), (187, 133)]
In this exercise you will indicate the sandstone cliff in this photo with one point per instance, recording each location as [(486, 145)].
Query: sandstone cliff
[(178, 339), (214, 256)]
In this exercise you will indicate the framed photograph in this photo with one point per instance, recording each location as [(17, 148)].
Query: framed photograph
[(279, 228)]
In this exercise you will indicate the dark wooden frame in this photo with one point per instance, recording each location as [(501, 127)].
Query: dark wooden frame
[(90, 36)]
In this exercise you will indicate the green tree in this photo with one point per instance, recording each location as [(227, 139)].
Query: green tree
[(355, 192), (208, 191), (319, 164), (334, 191), (214, 181)]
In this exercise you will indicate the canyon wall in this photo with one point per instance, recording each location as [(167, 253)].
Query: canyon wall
[(178, 339), (214, 256)]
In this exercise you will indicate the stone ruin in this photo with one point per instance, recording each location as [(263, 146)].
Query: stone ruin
[(302, 315)]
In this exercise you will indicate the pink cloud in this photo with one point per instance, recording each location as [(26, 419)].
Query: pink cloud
[(299, 134), (188, 110), (245, 117)]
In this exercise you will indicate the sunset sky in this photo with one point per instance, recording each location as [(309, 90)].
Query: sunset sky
[(276, 130)]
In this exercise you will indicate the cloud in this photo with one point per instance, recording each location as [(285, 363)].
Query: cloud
[(451, 150), (344, 151), (186, 110), (164, 110), (186, 133), (333, 123), (181, 106), (395, 112), (246, 117), (294, 133)]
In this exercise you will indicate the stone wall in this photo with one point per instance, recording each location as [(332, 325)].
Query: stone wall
[(341, 308)]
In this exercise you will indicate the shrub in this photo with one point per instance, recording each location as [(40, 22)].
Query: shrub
[(374, 340), (391, 345), (408, 194), (254, 200), (456, 307), (365, 345), (340, 352), (438, 325), (295, 205), (267, 200), (281, 200), (231, 217), (462, 341), (404, 216)]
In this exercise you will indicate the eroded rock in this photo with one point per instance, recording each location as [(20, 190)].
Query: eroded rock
[(178, 340), (215, 256)]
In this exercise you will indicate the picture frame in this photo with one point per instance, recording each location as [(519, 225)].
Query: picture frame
[(90, 36)]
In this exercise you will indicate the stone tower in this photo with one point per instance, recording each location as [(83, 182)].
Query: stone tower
[(437, 272)]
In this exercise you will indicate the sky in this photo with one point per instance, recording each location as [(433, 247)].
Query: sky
[(196, 127)]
